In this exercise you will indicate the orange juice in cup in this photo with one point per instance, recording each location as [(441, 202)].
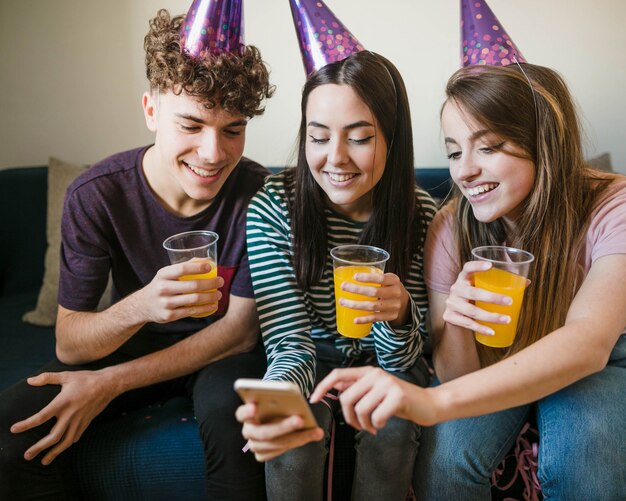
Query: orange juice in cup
[(506, 276), (349, 260), (197, 246), (212, 273), (346, 316)]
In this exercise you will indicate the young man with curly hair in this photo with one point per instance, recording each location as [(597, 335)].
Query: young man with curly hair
[(146, 347)]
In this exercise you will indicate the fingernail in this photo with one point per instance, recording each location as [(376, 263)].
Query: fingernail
[(508, 301), (506, 319), (489, 332), (28, 456)]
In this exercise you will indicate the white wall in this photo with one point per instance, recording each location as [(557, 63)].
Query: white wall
[(71, 71)]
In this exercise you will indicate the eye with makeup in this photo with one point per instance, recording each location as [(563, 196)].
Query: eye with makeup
[(491, 149), (318, 140), (364, 140), (356, 141)]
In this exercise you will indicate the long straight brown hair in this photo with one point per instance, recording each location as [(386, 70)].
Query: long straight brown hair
[(542, 121), (395, 223)]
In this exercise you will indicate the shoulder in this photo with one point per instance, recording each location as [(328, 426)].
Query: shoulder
[(278, 188), (609, 212), (610, 201), (115, 170), (251, 172), (614, 193)]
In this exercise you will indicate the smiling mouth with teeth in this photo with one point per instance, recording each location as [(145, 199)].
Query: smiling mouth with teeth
[(202, 172), (340, 178), (479, 190)]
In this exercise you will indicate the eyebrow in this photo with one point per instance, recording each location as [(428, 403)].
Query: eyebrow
[(476, 135), (354, 125), (193, 118)]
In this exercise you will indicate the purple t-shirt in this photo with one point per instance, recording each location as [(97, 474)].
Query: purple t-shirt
[(113, 222)]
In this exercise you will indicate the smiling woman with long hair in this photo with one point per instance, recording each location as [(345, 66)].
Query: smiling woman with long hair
[(354, 184)]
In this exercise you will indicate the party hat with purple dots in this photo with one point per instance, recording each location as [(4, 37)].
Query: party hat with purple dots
[(483, 39), (323, 38), (212, 26)]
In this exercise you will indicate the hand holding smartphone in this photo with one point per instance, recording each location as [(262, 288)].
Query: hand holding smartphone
[(275, 399)]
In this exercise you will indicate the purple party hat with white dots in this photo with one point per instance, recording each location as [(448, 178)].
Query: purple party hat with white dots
[(213, 26), (483, 39), (323, 38)]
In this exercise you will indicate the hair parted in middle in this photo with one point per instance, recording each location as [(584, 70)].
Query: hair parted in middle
[(531, 107), (396, 223), (237, 83)]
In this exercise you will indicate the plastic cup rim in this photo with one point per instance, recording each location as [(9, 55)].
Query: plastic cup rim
[(512, 250), (385, 254), (187, 233)]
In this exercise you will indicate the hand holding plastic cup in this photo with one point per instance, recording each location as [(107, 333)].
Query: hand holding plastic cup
[(197, 246), (507, 276), (349, 260)]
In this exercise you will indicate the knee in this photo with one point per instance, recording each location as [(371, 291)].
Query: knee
[(12, 448), (301, 459), (399, 431), (583, 474), (448, 456), (12, 445), (397, 435)]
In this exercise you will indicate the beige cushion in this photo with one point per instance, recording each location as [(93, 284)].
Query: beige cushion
[(60, 175)]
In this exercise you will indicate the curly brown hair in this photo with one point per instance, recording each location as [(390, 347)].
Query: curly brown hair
[(237, 83)]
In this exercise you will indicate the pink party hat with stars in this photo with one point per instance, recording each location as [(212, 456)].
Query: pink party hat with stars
[(483, 39), (323, 38), (213, 26)]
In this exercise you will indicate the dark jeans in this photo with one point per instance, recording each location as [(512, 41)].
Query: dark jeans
[(230, 473), (384, 462)]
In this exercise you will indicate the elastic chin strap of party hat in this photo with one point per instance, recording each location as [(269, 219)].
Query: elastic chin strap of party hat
[(395, 96), (532, 90)]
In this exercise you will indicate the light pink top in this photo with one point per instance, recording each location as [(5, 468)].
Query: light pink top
[(606, 235)]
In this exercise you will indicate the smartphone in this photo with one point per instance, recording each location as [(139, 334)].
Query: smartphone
[(275, 399)]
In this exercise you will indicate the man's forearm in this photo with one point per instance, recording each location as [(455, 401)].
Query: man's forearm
[(232, 334), (87, 336)]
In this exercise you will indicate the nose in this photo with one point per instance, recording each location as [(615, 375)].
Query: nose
[(211, 149), (338, 153), (467, 168)]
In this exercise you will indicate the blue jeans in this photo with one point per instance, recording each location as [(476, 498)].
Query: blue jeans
[(582, 443), (384, 462)]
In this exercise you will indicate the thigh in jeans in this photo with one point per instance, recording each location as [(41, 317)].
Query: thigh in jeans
[(459, 456), (582, 436), (299, 473), (384, 464)]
